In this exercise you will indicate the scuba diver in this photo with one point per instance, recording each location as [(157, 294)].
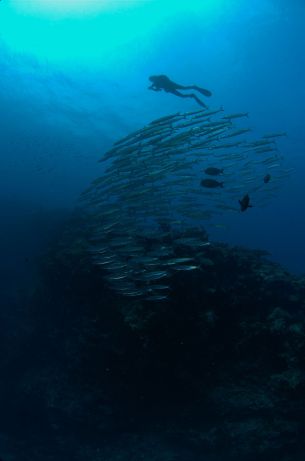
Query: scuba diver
[(162, 82)]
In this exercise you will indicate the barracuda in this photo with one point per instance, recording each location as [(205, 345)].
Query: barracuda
[(145, 211)]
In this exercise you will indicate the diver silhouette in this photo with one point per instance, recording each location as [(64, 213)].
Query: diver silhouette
[(162, 82)]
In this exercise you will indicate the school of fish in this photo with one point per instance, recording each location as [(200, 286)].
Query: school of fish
[(162, 183)]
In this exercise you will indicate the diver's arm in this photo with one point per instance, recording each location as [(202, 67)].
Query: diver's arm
[(154, 87)]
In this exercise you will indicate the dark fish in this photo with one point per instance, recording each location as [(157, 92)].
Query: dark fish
[(211, 183), (267, 178), (245, 203), (213, 171)]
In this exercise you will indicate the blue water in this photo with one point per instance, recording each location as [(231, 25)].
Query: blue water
[(74, 81)]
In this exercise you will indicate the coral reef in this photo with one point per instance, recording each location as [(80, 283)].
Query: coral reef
[(217, 372)]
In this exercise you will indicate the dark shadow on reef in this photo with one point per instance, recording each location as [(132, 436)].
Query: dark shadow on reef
[(217, 372)]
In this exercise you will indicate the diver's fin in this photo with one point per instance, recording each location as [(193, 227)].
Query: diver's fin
[(203, 91), (201, 103)]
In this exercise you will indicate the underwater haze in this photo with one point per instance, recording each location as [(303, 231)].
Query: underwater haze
[(74, 87), (74, 80)]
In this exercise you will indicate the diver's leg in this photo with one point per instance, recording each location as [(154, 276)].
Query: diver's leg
[(191, 95), (197, 88), (172, 86)]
